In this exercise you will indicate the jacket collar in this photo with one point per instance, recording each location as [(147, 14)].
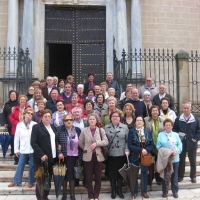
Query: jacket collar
[(191, 119)]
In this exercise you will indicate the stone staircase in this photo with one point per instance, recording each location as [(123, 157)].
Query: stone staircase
[(7, 171)]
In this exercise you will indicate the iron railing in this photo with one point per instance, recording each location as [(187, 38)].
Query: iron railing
[(158, 64), (17, 71), (194, 74)]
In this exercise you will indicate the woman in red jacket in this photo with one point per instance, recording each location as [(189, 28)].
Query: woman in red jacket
[(17, 116)]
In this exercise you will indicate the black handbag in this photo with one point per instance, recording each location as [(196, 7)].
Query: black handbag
[(47, 178), (78, 170), (105, 149)]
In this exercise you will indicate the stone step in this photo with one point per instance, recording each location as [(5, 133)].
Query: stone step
[(105, 188), (7, 176)]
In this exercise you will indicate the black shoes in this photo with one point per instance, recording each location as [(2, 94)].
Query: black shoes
[(11, 154), (193, 180), (158, 183), (15, 163), (180, 179)]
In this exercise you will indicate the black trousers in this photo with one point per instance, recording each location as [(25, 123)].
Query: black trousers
[(192, 158)]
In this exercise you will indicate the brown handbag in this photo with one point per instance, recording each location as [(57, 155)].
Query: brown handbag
[(146, 160)]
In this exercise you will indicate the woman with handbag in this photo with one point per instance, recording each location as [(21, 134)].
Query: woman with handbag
[(91, 140), (140, 143), (43, 142), (117, 134), (169, 139), (68, 136)]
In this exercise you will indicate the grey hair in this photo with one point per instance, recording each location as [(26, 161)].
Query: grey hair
[(77, 108), (94, 115), (146, 93), (80, 86), (189, 103)]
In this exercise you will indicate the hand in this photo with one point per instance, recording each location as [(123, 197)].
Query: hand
[(17, 154), (144, 152), (60, 156), (194, 140), (174, 153), (5, 125), (59, 147), (43, 158), (93, 146), (127, 152), (13, 109)]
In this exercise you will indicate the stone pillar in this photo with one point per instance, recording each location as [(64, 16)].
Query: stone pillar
[(38, 41), (109, 35), (183, 85), (13, 34), (27, 30), (122, 38), (136, 35)]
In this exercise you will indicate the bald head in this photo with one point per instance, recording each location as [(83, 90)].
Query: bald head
[(148, 81), (135, 94)]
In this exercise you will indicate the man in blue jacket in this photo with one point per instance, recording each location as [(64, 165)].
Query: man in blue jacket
[(189, 125)]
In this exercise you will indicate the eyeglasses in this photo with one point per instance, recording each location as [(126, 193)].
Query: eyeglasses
[(115, 116), (29, 113), (66, 120)]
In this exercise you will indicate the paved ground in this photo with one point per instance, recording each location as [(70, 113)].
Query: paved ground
[(185, 194)]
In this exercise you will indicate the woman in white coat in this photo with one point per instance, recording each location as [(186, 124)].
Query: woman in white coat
[(23, 149), (165, 111)]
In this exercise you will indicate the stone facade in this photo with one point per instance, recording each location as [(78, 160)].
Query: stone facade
[(171, 24)]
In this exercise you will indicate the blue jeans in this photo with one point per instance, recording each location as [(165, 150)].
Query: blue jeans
[(20, 169), (174, 180), (143, 180)]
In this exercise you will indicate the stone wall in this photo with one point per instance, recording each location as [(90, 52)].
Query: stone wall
[(171, 24)]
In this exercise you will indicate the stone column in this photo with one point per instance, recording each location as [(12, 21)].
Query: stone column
[(109, 35), (13, 34), (136, 34), (122, 38), (38, 41), (183, 89), (27, 30)]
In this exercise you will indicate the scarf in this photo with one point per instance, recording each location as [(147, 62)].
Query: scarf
[(21, 111), (71, 136), (57, 117), (27, 124), (155, 129), (141, 134), (170, 141)]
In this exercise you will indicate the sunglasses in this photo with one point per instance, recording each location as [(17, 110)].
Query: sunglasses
[(66, 120), (30, 113)]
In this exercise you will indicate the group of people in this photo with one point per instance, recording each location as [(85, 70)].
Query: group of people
[(57, 120)]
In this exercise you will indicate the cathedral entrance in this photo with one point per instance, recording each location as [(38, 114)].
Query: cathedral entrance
[(75, 42)]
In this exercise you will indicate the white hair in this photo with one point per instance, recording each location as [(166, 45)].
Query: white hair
[(80, 86), (76, 108), (146, 93)]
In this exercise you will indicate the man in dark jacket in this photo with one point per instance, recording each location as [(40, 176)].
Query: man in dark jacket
[(51, 104), (188, 124), (112, 84), (140, 108), (162, 93)]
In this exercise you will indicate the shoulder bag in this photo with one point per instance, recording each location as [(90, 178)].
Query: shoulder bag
[(146, 160), (47, 178), (105, 149)]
